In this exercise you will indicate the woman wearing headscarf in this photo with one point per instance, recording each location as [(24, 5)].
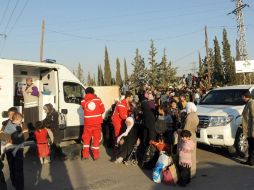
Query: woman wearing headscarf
[(191, 124), (51, 122), (127, 140)]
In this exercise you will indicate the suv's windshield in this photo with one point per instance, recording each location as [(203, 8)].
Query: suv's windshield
[(224, 97)]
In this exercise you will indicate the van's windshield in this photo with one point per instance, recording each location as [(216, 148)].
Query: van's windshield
[(224, 97)]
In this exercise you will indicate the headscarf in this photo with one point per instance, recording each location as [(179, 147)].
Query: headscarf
[(191, 107), (49, 108), (130, 119)]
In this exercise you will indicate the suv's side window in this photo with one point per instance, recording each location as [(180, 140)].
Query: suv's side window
[(252, 93), (73, 92)]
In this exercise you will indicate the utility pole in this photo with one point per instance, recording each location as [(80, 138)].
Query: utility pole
[(208, 60), (42, 41), (241, 31)]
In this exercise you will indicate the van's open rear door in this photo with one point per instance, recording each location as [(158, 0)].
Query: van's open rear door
[(6, 89)]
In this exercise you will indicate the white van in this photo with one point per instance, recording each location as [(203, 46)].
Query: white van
[(57, 85), (220, 117)]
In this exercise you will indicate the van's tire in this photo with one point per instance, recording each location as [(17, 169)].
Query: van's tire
[(241, 143)]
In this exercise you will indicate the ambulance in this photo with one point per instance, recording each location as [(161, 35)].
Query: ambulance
[(57, 85)]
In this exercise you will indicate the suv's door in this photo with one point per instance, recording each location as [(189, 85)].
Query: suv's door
[(6, 89)]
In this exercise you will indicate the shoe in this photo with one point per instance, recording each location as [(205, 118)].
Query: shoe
[(247, 163), (119, 160)]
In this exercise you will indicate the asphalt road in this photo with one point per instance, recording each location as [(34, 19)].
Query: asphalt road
[(216, 170)]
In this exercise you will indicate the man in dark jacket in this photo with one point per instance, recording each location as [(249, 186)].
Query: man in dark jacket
[(248, 125)]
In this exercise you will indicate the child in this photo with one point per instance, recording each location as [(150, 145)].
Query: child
[(15, 154), (160, 145), (7, 129), (186, 146), (41, 135)]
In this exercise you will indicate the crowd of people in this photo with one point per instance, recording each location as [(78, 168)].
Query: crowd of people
[(152, 123), (155, 128)]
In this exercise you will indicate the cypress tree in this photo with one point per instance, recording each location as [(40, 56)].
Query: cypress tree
[(118, 73), (218, 77), (89, 79), (102, 78), (107, 71), (125, 71), (229, 67), (98, 77), (80, 73)]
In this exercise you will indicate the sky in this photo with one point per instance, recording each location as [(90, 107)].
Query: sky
[(78, 31)]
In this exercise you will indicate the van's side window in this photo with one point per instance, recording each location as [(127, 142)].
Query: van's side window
[(73, 92)]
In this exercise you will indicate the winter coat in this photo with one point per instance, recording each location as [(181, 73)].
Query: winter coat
[(93, 110), (51, 122), (120, 113), (149, 119), (191, 124), (247, 118)]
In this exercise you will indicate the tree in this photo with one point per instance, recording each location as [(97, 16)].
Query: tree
[(94, 80), (229, 67), (80, 73), (217, 75), (166, 72), (107, 70), (125, 71), (118, 73), (139, 75), (153, 71), (100, 79), (89, 80)]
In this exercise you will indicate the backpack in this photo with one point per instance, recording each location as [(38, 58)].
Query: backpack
[(61, 121)]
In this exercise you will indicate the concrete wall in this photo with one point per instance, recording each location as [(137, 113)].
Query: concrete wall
[(108, 94)]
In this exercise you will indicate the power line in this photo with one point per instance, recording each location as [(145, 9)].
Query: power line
[(9, 20), (4, 13), (18, 17), (187, 55)]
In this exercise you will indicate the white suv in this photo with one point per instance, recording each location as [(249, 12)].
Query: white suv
[(219, 115)]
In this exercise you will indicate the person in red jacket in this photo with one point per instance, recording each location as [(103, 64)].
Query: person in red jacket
[(93, 110), (121, 112)]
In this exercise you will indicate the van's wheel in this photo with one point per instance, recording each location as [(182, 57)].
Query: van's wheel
[(241, 143)]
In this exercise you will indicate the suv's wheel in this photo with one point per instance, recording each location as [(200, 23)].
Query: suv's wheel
[(241, 143)]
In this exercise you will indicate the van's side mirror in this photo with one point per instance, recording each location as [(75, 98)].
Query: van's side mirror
[(64, 111), (4, 114)]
